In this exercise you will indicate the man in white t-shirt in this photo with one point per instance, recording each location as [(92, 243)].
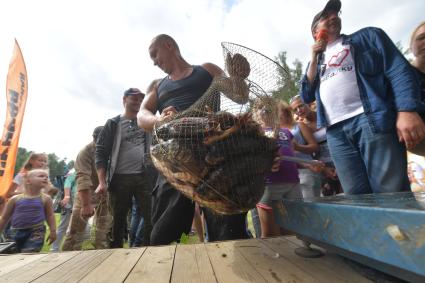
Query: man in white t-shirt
[(368, 99)]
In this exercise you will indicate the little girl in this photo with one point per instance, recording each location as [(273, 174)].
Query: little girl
[(28, 212), (35, 161), (283, 182)]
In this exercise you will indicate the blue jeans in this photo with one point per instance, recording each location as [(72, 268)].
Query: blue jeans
[(62, 228), (136, 225), (367, 162)]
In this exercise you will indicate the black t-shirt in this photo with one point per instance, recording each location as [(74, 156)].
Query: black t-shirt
[(181, 94)]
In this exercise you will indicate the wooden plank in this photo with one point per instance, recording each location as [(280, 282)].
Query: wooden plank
[(11, 262), (274, 267), (77, 267), (37, 268), (155, 265), (230, 265), (116, 267), (328, 268), (191, 264)]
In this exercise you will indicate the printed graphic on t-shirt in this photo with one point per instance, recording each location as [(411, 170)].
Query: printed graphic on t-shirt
[(339, 92), (337, 63), (132, 133), (283, 138)]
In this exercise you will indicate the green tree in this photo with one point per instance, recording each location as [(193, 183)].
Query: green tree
[(404, 51), (289, 78), (57, 166), (21, 157)]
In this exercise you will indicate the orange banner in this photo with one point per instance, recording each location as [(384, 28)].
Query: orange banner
[(16, 94)]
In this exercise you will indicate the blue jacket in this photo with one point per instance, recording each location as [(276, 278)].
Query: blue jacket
[(386, 82)]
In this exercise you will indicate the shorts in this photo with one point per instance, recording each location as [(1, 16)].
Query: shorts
[(277, 192)]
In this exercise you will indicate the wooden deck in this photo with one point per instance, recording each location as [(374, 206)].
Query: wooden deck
[(270, 260)]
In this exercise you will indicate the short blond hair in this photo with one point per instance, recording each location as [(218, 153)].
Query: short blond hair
[(412, 37), (32, 172), (283, 105)]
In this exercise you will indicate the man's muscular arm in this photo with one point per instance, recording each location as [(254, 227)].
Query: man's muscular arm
[(146, 118)]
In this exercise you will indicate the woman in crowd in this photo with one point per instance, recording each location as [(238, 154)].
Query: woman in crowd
[(304, 145), (417, 46), (308, 117)]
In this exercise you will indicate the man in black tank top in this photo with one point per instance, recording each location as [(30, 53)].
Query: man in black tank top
[(172, 213)]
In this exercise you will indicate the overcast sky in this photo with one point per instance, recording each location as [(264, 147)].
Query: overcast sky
[(82, 54)]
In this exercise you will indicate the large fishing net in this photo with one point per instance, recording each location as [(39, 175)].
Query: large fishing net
[(216, 152)]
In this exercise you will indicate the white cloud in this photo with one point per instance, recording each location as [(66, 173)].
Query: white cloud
[(81, 55)]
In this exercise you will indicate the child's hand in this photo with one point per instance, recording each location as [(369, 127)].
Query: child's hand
[(296, 146), (330, 172), (276, 163), (51, 238), (316, 167)]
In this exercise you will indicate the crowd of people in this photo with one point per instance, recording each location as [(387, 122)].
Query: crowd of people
[(361, 105)]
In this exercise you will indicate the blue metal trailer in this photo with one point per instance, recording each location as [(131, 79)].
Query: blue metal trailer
[(383, 231)]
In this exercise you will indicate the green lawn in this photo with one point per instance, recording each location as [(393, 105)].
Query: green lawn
[(87, 245), (185, 240)]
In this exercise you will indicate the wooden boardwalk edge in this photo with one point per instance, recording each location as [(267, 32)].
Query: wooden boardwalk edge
[(253, 260)]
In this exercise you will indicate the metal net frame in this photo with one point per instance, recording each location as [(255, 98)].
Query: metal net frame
[(216, 152)]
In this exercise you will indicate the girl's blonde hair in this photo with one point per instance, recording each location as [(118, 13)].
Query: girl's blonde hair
[(33, 156), (35, 171), (412, 37), (283, 105), (32, 172)]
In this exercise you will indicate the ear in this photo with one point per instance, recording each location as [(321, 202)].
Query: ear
[(168, 45)]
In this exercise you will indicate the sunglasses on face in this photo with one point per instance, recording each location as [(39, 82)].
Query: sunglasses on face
[(294, 98)]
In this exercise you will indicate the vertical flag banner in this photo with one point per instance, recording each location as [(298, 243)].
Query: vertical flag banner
[(16, 95)]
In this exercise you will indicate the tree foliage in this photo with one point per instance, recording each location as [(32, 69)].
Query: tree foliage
[(289, 77), (57, 166), (404, 51)]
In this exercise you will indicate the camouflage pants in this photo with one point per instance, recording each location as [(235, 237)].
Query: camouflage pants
[(75, 235)]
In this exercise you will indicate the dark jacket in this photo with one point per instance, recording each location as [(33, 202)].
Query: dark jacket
[(104, 144), (108, 145)]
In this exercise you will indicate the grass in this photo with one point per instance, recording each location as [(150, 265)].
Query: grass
[(184, 240), (194, 239), (87, 245)]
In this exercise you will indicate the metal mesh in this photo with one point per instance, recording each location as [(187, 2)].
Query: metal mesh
[(216, 152)]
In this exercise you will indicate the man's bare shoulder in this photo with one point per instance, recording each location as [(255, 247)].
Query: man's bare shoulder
[(213, 69), (153, 86), (150, 100)]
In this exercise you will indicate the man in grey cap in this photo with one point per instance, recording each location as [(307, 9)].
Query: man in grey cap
[(121, 153), (368, 99), (87, 203)]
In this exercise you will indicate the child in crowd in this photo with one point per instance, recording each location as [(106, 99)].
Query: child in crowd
[(283, 182), (35, 161), (28, 211)]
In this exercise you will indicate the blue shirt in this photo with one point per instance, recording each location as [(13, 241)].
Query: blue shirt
[(385, 78)]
